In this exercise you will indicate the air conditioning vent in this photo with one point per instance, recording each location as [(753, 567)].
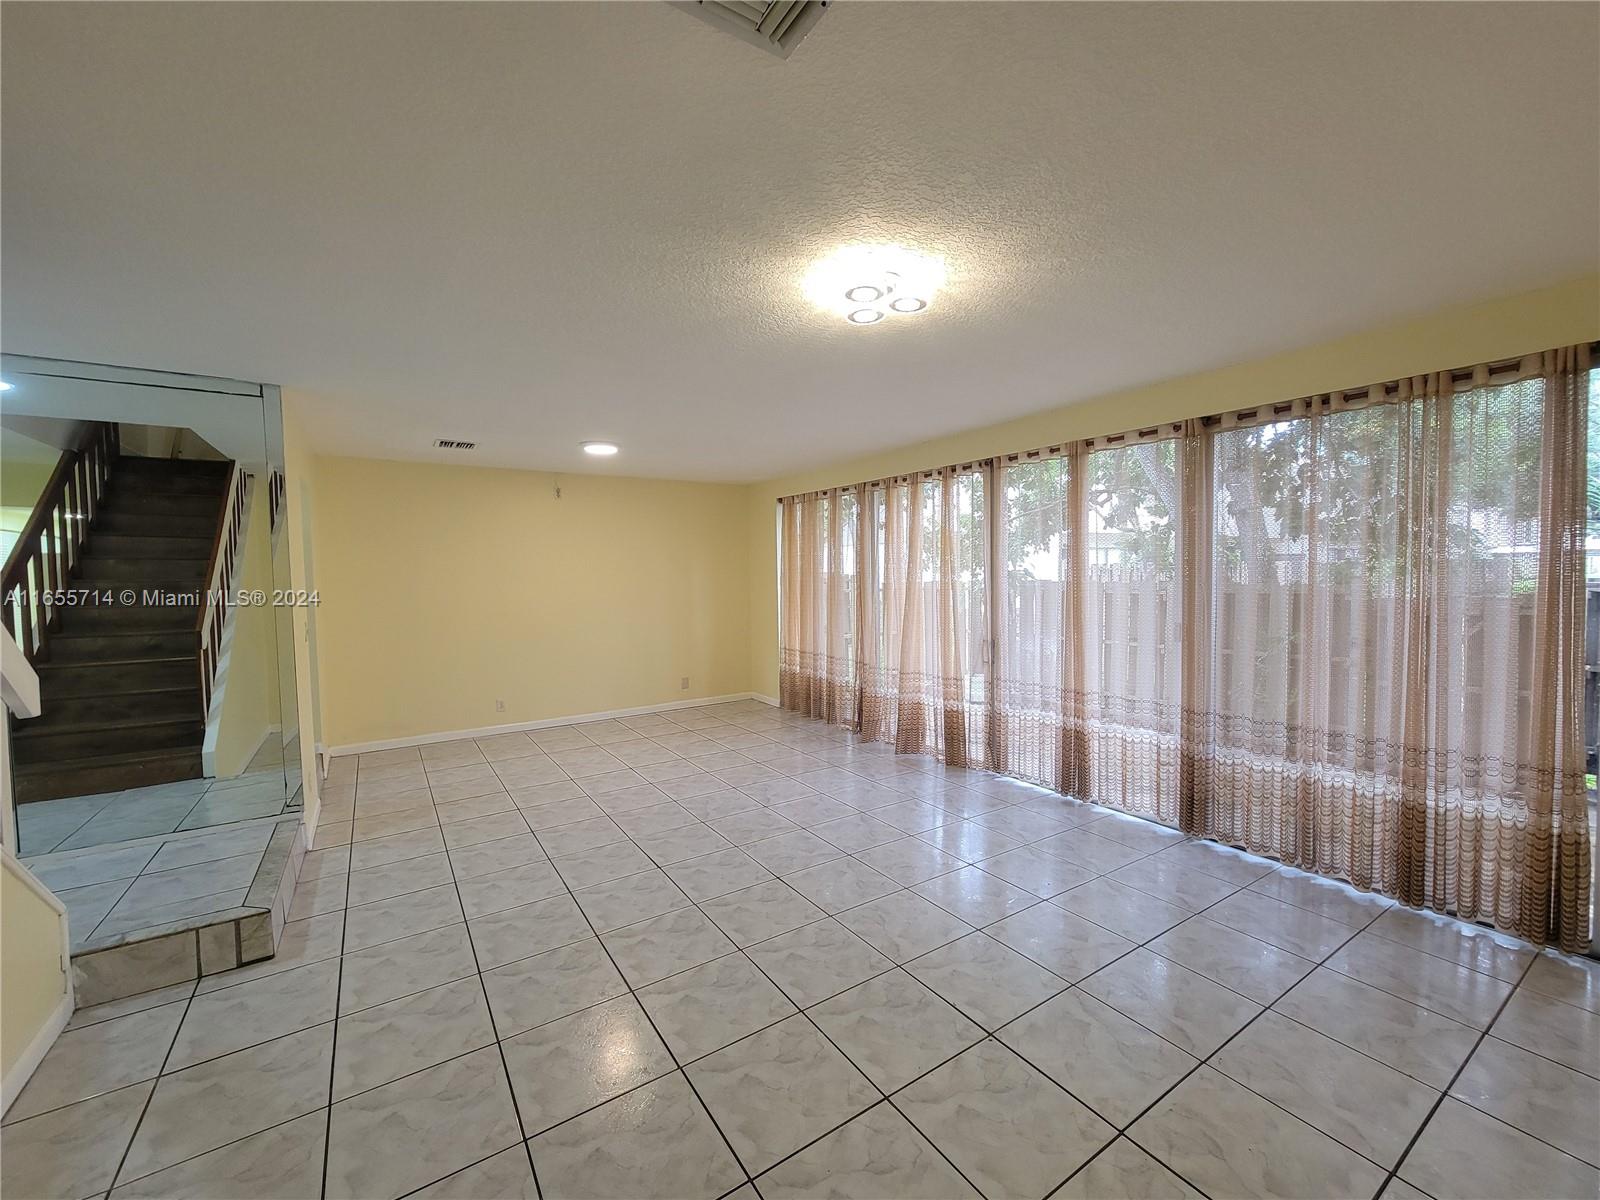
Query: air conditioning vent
[(774, 25), (452, 444)]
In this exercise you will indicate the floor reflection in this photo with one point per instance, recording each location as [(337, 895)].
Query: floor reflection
[(78, 822)]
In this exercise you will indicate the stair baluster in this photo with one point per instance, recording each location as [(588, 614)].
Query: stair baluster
[(49, 544)]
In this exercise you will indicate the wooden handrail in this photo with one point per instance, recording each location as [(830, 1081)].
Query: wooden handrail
[(217, 599), (276, 489), (49, 548)]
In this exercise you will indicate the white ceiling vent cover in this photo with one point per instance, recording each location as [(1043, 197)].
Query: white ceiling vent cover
[(774, 25), (452, 444)]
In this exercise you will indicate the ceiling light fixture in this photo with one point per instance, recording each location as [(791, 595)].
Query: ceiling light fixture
[(4, 386), (600, 449), (865, 284)]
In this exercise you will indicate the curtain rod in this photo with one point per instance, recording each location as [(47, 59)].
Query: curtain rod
[(1501, 371)]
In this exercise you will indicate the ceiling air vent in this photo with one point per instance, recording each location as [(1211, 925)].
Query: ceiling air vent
[(452, 444), (774, 25)]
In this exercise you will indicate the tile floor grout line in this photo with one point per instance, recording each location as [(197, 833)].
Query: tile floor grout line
[(632, 991), (144, 1110), (1272, 1008), (1499, 1120), (879, 781), (1536, 1053), (120, 896), (884, 1097), (338, 992), (68, 837), (242, 1137), (1415, 1003), (1206, 1062), (55, 1108), (231, 1141), (988, 1035), (1122, 1131), (494, 1027), (1122, 1136), (692, 903), (1444, 1092)]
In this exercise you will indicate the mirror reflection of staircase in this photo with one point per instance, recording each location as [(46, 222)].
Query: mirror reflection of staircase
[(121, 686), (157, 786)]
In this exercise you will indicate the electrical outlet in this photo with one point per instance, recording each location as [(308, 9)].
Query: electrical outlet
[(683, 684), (499, 706)]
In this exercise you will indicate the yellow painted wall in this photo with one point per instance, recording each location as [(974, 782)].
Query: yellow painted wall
[(444, 588), (24, 470), (32, 981), (25, 467), (250, 695), (1457, 337)]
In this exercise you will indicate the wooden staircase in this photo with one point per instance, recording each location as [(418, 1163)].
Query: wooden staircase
[(121, 683)]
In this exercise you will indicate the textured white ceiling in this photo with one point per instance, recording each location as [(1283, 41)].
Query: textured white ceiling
[(534, 224)]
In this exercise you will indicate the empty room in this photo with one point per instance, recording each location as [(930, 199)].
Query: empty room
[(689, 599)]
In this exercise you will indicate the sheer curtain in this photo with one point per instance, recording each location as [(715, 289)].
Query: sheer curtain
[(1392, 631), (816, 665), (1344, 631), (1037, 722), (925, 622), (1132, 627)]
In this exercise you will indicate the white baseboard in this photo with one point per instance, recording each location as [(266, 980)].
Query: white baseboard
[(39, 1044), (22, 1070), (769, 700), (524, 726)]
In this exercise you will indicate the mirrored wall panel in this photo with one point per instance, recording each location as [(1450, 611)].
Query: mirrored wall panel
[(147, 581)]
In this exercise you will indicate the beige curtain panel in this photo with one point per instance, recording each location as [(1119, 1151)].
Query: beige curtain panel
[(1345, 632), (816, 668), (1039, 723), (925, 624)]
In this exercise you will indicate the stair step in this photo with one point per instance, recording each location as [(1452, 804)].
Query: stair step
[(178, 702), (105, 544), (136, 500), (150, 524), (183, 573), (116, 677), (66, 743), (170, 485), (115, 619), (134, 643), (104, 773), (143, 464)]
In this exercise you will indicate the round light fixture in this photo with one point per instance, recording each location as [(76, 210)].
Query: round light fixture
[(600, 449), (866, 283)]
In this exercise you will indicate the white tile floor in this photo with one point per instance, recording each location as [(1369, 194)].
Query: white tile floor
[(725, 951), (118, 892)]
